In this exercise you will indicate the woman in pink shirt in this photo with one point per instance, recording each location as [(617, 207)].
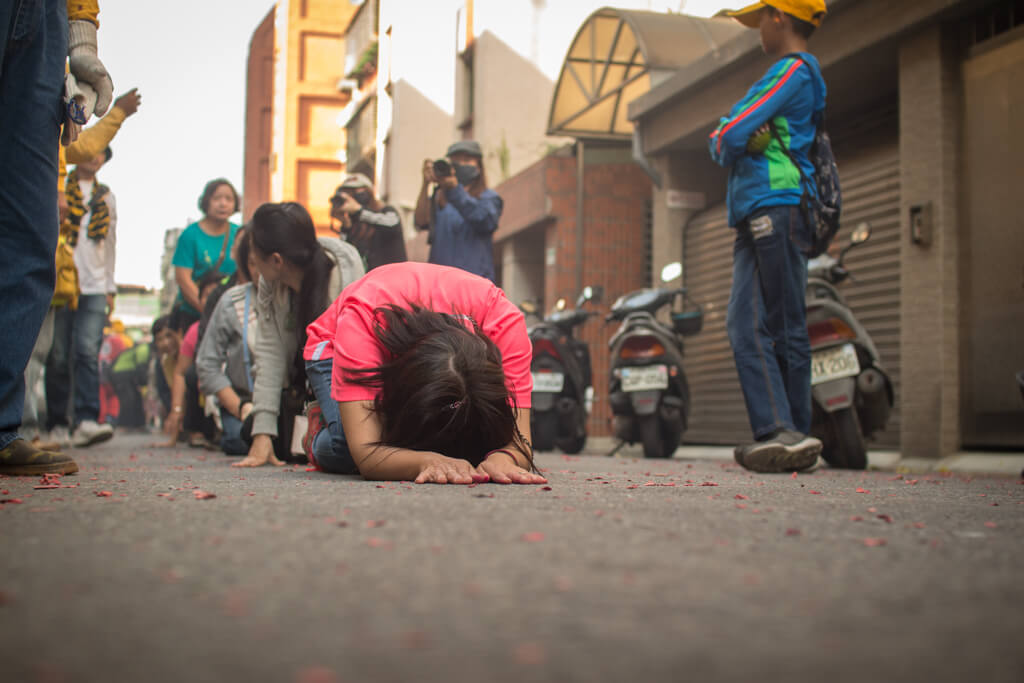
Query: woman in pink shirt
[(421, 373)]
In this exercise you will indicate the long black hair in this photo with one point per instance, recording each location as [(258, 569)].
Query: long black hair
[(442, 386), (287, 229)]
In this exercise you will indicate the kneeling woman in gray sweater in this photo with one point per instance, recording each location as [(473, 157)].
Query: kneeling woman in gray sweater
[(300, 275), (224, 358)]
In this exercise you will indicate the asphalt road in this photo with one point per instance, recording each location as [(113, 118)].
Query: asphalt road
[(622, 570)]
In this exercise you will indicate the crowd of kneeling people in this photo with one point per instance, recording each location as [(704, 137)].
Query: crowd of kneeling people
[(411, 371)]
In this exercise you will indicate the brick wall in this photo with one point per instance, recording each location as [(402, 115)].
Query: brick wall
[(614, 213)]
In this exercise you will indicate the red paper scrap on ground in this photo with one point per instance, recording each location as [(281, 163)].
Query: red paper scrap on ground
[(533, 536), (203, 495), (793, 532), (860, 490), (104, 494), (874, 542)]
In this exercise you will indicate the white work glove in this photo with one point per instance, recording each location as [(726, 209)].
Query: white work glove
[(78, 99), (87, 67)]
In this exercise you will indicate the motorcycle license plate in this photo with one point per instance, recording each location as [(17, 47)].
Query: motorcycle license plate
[(834, 363), (646, 378), (548, 382)]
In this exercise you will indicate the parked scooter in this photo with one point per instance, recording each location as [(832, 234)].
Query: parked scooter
[(852, 394), (648, 393), (563, 391)]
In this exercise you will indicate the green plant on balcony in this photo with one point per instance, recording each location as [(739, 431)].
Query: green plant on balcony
[(366, 65)]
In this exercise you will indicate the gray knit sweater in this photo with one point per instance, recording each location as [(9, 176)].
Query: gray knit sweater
[(276, 343), (220, 360)]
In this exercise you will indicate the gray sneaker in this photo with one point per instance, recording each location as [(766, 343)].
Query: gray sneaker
[(90, 432), (787, 451)]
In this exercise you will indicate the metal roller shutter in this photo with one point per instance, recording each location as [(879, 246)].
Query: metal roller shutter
[(870, 193)]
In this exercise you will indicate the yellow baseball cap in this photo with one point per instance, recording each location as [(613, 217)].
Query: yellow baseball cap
[(811, 11)]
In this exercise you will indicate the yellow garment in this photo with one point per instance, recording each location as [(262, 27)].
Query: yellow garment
[(88, 10), (65, 292), (94, 139)]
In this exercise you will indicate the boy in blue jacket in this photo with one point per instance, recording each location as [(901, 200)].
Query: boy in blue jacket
[(767, 317)]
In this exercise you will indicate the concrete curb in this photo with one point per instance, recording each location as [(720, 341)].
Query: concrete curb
[(1007, 464)]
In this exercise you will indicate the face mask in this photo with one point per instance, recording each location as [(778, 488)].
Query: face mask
[(466, 173)]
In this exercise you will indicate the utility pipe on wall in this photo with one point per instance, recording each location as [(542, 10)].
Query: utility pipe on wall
[(579, 218)]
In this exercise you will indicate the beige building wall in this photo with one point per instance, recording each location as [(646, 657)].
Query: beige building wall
[(502, 101)]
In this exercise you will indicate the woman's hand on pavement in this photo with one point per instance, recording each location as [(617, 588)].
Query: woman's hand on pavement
[(260, 453), (501, 469), (443, 470)]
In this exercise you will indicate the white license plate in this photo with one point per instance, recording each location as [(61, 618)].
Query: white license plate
[(548, 382), (834, 363), (646, 378)]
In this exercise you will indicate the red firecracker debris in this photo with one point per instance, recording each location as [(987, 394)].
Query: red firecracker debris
[(860, 490), (856, 518), (374, 523), (740, 496), (12, 501), (814, 493), (885, 518), (991, 525), (918, 525), (104, 494), (203, 495), (874, 542), (793, 532), (374, 542), (793, 476), (533, 536), (709, 483)]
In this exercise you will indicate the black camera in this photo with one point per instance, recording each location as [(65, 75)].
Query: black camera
[(442, 169)]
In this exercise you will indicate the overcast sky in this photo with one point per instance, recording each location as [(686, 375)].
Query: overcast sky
[(188, 60)]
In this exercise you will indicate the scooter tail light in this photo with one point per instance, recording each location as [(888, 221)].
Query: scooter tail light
[(831, 330), (545, 346), (641, 347)]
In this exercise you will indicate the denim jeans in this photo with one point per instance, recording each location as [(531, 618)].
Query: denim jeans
[(77, 337), (31, 106), (767, 320), (329, 447), (231, 441)]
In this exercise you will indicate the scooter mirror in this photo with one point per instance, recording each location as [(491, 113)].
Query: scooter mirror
[(861, 234), (560, 305), (671, 271)]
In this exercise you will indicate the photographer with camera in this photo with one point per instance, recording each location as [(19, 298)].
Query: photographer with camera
[(462, 213), (372, 227)]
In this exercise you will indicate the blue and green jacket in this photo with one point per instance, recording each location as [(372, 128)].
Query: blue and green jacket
[(792, 95)]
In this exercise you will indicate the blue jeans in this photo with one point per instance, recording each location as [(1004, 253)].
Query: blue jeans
[(31, 105), (767, 320), (231, 442), (77, 337), (329, 446)]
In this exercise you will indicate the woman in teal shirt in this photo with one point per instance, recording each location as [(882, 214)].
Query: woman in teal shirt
[(206, 244)]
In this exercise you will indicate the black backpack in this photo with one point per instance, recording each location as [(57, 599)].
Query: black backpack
[(821, 209)]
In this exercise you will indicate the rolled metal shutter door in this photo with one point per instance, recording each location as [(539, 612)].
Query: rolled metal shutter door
[(870, 183)]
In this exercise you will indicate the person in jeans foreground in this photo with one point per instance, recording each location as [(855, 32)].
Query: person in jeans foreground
[(36, 46), (421, 373), (767, 315)]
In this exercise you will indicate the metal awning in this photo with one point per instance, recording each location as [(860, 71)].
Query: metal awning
[(618, 55)]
